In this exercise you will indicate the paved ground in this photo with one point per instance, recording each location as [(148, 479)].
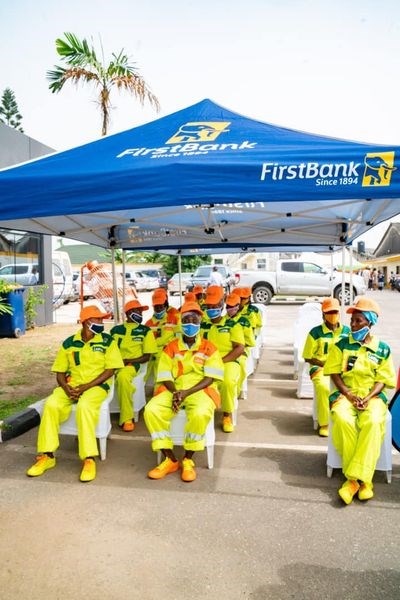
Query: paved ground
[(264, 524)]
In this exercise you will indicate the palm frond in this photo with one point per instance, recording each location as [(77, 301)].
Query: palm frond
[(77, 53), (60, 76), (135, 85)]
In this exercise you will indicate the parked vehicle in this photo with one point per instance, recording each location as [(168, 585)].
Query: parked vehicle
[(22, 273), (297, 277), (159, 274), (63, 289), (173, 283), (87, 288), (202, 275), (140, 281)]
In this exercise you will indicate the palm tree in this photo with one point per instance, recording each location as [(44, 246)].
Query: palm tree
[(83, 65)]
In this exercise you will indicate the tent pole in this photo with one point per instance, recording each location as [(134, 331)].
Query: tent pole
[(351, 272), (115, 290), (343, 282), (331, 273), (123, 277), (180, 276)]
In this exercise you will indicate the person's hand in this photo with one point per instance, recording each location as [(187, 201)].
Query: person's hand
[(355, 400), (76, 392), (177, 399), (362, 404)]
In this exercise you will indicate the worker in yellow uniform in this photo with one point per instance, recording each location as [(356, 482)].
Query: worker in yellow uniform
[(164, 323), (233, 311), (137, 345), (198, 291), (229, 339), (361, 367), (254, 314), (188, 370), (84, 367), (316, 347)]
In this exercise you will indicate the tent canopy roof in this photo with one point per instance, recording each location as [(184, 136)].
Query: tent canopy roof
[(205, 177)]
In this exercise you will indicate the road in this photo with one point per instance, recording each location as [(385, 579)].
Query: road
[(265, 523)]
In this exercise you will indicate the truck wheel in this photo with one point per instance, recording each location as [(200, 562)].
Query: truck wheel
[(262, 295), (338, 293)]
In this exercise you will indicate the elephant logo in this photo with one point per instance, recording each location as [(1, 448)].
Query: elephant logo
[(202, 131), (378, 169)]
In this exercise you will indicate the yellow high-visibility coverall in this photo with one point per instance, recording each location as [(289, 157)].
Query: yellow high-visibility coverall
[(358, 434), (185, 367), (223, 334), (316, 346), (82, 362), (164, 331), (133, 340), (249, 341)]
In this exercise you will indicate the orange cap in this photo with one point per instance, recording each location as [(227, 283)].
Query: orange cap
[(198, 289), (134, 304), (233, 299), (190, 297), (214, 295), (92, 311), (159, 296), (191, 307), (364, 304), (243, 292), (330, 305)]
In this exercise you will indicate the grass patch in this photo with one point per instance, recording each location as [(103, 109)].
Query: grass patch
[(8, 408)]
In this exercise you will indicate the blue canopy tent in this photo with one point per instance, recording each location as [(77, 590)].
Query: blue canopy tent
[(203, 178)]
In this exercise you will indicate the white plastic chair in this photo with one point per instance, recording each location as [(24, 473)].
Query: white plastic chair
[(177, 432), (103, 427), (305, 388), (138, 398), (334, 460), (309, 316)]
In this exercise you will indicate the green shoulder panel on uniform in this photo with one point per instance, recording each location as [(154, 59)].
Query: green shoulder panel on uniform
[(317, 332), (107, 339), (229, 323), (383, 350), (71, 343), (253, 308), (140, 330), (345, 344), (118, 330), (244, 321)]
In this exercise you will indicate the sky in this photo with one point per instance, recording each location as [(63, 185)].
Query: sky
[(329, 67)]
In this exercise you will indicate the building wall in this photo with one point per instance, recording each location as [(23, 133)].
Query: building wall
[(16, 148)]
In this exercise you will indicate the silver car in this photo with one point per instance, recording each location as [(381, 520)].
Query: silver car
[(173, 283)]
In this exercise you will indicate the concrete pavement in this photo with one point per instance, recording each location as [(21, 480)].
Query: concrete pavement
[(265, 523)]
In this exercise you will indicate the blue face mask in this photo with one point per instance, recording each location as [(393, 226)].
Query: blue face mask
[(159, 315), (135, 318), (214, 312), (96, 327), (190, 329), (361, 334)]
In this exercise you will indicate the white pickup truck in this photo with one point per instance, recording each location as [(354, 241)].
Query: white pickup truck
[(298, 278)]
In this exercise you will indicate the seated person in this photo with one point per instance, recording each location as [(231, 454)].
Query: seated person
[(316, 347), (229, 339), (84, 366), (137, 345), (361, 367), (233, 311), (187, 372)]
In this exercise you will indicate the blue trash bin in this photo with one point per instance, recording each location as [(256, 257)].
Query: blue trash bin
[(13, 325)]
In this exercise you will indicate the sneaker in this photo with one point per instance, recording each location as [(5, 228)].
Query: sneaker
[(165, 468), (348, 490), (323, 431), (366, 491), (89, 470), (128, 426), (188, 470), (227, 425), (42, 464)]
